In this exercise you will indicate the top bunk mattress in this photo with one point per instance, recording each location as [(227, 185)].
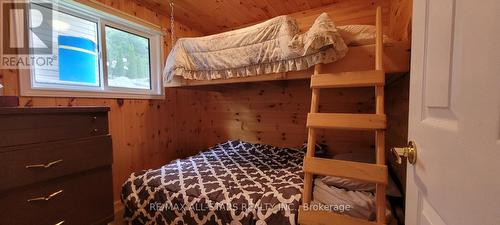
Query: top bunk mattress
[(273, 46)]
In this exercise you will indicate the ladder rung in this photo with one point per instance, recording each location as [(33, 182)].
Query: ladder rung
[(348, 79), (346, 121), (310, 217), (354, 170)]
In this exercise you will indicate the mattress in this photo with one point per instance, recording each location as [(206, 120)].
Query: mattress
[(232, 183), (263, 49), (273, 46)]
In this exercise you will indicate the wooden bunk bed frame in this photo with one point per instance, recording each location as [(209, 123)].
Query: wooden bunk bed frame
[(374, 173), (396, 60), (354, 70)]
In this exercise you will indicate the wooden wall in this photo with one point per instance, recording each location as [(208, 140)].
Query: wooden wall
[(396, 106), (400, 19), (272, 113), (343, 12), (275, 113), (144, 131)]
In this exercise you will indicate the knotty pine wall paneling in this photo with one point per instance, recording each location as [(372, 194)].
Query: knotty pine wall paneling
[(400, 20), (275, 113)]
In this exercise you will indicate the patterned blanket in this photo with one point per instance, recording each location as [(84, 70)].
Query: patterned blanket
[(232, 183)]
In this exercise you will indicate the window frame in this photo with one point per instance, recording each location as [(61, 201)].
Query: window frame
[(29, 87)]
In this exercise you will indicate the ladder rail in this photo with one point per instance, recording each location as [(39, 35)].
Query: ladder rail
[(311, 141), (369, 172), (346, 121), (379, 110), (328, 218), (367, 78)]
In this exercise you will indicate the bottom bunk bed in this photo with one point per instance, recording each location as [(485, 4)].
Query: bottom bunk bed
[(238, 182)]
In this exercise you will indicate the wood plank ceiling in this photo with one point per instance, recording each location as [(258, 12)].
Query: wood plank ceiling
[(213, 16)]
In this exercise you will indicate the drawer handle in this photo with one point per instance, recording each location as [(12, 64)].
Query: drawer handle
[(45, 166), (46, 198), (62, 221)]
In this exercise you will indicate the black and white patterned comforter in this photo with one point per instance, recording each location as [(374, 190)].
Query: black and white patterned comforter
[(232, 183)]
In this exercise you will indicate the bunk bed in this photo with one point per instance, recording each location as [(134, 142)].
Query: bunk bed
[(181, 181), (359, 57)]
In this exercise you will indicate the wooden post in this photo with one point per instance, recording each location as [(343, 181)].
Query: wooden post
[(379, 110), (311, 142)]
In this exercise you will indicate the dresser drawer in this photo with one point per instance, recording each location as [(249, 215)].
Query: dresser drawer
[(84, 199), (28, 128), (29, 164)]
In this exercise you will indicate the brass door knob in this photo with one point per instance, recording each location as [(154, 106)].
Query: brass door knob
[(409, 152)]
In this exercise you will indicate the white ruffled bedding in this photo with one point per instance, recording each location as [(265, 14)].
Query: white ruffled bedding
[(359, 196), (273, 46), (361, 204)]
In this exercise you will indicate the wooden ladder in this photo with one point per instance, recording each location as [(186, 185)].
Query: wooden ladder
[(374, 173)]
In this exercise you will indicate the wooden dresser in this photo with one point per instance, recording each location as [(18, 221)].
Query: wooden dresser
[(55, 166)]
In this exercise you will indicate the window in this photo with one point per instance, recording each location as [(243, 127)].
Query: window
[(127, 59), (95, 55), (74, 43)]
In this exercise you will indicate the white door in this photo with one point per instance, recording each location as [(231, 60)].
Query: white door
[(455, 113)]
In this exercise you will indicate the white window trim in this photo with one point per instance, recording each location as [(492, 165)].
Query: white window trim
[(157, 91)]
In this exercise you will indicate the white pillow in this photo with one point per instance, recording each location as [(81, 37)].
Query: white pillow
[(356, 35), (354, 185)]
